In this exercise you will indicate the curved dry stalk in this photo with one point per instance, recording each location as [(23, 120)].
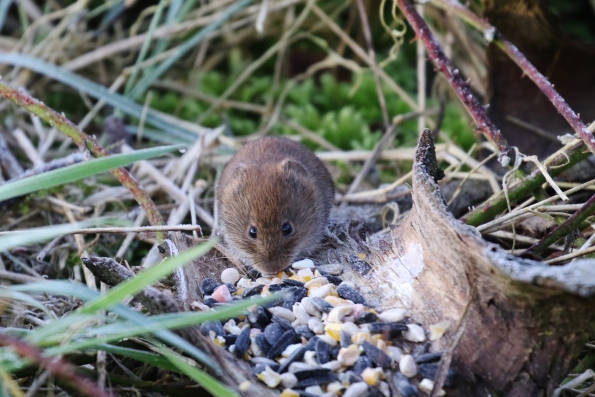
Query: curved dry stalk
[(83, 141), (557, 163), (492, 35), (452, 74)]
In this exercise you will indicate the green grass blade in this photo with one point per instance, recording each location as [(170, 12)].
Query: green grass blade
[(173, 321), (36, 235), (145, 47), (78, 171), (146, 357), (4, 4), (147, 80), (82, 292), (176, 12), (97, 91), (134, 285), (211, 384)]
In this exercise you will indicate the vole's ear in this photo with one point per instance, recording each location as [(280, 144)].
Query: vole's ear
[(293, 167)]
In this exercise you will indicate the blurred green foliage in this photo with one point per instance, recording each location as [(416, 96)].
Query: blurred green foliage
[(347, 114)]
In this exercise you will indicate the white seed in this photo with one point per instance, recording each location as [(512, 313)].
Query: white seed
[(337, 313), (349, 319), (269, 377), (334, 387), (199, 307), (305, 274), (245, 282), (407, 365), (322, 291), (316, 326), (232, 328), (371, 376), (427, 385), (334, 269), (308, 305), (356, 390), (361, 337), (244, 386), (282, 312), (348, 355), (290, 349), (349, 284), (315, 390), (384, 388), (230, 275), (350, 328), (415, 333), (303, 264), (298, 366), (395, 353), (256, 352), (264, 281), (310, 358), (300, 313), (318, 281), (392, 315), (332, 342), (288, 380), (438, 329), (332, 365)]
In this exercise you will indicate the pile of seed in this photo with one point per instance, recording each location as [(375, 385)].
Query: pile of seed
[(321, 338)]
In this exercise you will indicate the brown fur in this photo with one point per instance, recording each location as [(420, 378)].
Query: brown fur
[(271, 181)]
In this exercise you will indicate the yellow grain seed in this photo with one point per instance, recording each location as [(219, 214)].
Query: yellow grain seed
[(289, 393), (333, 330)]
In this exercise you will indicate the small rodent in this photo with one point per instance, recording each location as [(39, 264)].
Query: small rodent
[(273, 203)]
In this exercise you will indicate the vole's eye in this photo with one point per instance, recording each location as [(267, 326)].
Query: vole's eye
[(286, 229), (252, 232)]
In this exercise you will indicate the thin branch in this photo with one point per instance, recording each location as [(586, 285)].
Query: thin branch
[(140, 229), (452, 74), (491, 34), (83, 141), (557, 163), (572, 255), (570, 224)]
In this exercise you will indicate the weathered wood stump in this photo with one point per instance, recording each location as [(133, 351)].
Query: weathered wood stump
[(515, 325)]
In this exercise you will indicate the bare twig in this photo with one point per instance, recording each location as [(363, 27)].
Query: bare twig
[(421, 81), (491, 34), (83, 141), (572, 255), (570, 224), (557, 163), (140, 229), (461, 88), (18, 278)]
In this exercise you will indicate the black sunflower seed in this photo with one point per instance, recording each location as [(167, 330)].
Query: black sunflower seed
[(377, 356), (346, 292), (312, 377), (208, 286)]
